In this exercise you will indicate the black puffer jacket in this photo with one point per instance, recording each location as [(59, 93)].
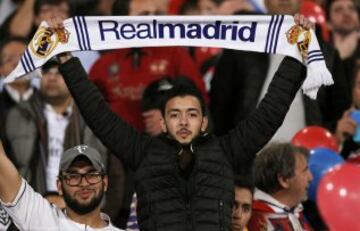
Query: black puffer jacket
[(167, 201)]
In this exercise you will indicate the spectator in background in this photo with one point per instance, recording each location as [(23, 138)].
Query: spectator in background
[(25, 21), (40, 129), (282, 178), (241, 80), (347, 127), (343, 18), (20, 90), (244, 190)]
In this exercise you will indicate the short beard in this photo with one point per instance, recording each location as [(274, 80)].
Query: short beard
[(82, 209)]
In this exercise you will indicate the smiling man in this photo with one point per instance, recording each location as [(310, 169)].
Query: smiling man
[(282, 177), (82, 181)]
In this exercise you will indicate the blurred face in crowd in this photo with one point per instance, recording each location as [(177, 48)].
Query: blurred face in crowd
[(290, 7), (148, 7), (184, 119), (343, 17), (224, 7), (9, 58), (85, 196), (298, 185), (356, 90), (207, 7), (242, 208), (49, 10), (53, 87)]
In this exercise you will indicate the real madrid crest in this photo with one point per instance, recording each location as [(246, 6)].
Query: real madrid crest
[(45, 40), (293, 35)]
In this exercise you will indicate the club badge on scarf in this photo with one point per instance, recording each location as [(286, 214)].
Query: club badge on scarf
[(272, 34)]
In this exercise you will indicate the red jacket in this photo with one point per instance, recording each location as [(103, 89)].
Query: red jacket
[(269, 216), (122, 76)]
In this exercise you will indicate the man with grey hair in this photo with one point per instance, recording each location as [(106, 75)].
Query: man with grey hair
[(282, 178)]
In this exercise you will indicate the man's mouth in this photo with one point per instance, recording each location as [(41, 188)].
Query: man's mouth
[(183, 133)]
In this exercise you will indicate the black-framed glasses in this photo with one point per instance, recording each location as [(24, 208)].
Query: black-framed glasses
[(74, 179)]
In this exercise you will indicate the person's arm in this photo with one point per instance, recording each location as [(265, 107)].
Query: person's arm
[(221, 92), (21, 202), (10, 179), (251, 134), (119, 137), (22, 22)]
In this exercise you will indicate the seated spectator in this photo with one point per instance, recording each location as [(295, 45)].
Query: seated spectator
[(282, 178), (347, 127), (82, 181)]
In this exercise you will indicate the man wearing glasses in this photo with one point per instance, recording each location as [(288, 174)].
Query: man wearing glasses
[(82, 182)]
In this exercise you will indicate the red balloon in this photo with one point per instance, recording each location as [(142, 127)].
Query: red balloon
[(315, 137), (338, 198)]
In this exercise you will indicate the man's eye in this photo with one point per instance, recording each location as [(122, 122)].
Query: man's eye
[(173, 115), (246, 208)]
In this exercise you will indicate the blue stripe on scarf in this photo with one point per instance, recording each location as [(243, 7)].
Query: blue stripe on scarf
[(82, 33), (273, 33), (268, 34), (24, 65), (278, 32), (314, 51), (77, 34), (30, 59), (27, 63), (315, 56), (86, 32)]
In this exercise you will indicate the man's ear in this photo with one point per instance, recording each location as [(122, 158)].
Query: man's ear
[(284, 182), (163, 125), (204, 124), (58, 184)]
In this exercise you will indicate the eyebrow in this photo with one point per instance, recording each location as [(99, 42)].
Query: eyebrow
[(187, 110)]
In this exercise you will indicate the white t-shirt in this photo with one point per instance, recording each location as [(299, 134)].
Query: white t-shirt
[(30, 211), (56, 126)]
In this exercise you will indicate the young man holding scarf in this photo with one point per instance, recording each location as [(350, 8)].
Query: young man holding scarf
[(185, 176)]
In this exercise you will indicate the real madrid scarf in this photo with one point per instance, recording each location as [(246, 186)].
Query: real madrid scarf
[(276, 34)]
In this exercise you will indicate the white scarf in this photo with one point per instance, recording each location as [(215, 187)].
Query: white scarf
[(265, 33)]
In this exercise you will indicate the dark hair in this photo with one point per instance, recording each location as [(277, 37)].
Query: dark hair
[(121, 7), (246, 181), (276, 160), (50, 64), (187, 5), (182, 91), (9, 40), (40, 3), (329, 4), (155, 93)]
